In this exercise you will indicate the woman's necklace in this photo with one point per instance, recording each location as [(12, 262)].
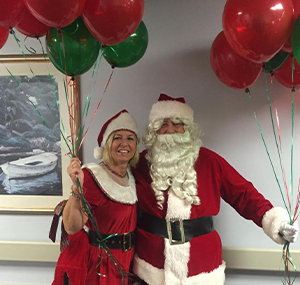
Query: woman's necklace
[(114, 172)]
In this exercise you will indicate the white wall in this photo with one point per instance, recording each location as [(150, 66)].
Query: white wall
[(177, 63)]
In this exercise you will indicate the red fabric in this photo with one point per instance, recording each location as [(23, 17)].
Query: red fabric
[(73, 260), (104, 127), (165, 97), (216, 179), (80, 259)]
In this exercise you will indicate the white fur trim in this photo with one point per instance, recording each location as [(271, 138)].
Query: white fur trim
[(171, 109), (272, 221), (215, 277), (147, 272), (176, 262), (116, 192), (123, 121), (98, 152), (155, 276), (177, 208), (176, 256)]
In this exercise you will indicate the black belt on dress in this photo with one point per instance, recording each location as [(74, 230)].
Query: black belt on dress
[(125, 241), (176, 230)]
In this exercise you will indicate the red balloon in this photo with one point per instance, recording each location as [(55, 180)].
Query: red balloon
[(30, 26), (296, 9), (4, 33), (258, 29), (112, 21), (55, 13), (10, 13), (232, 69), (284, 74)]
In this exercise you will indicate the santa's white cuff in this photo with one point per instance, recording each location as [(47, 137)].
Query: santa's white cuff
[(272, 221)]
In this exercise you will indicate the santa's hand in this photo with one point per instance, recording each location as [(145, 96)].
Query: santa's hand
[(289, 232)]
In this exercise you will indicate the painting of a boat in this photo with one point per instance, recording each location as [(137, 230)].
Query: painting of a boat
[(34, 165), (30, 135)]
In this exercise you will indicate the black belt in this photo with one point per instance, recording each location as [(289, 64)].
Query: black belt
[(125, 241), (177, 231)]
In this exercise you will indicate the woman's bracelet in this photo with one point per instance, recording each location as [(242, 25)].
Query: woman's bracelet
[(74, 194)]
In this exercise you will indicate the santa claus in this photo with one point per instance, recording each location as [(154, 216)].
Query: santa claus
[(180, 184)]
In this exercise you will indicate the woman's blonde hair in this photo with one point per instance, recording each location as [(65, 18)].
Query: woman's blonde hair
[(107, 151)]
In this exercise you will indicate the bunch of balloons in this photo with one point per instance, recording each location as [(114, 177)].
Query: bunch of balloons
[(76, 30), (258, 36)]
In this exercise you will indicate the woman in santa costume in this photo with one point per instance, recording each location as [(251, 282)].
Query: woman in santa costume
[(109, 189), (180, 184)]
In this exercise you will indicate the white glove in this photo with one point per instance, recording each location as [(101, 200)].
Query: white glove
[(289, 232)]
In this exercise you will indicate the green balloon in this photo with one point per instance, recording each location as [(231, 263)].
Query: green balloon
[(80, 47), (296, 40), (276, 61), (129, 51)]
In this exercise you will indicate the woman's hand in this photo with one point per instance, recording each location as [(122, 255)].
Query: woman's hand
[(74, 169), (73, 216)]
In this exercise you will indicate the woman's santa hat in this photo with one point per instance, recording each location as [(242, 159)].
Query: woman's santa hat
[(121, 121), (168, 107)]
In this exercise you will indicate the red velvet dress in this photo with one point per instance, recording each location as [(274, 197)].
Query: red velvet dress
[(115, 212)]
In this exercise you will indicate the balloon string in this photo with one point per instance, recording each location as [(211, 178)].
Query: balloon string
[(278, 150), (48, 47), (31, 49), (17, 82), (31, 102), (292, 137), (272, 165), (72, 120), (66, 84), (282, 168), (96, 110), (55, 95), (94, 75), (88, 100), (63, 132), (296, 214), (272, 76), (20, 47), (109, 79), (62, 128), (101, 241), (287, 259), (247, 90), (41, 45)]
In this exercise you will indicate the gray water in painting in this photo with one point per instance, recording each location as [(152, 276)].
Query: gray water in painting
[(48, 184)]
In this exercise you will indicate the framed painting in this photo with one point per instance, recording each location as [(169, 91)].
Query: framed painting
[(33, 158)]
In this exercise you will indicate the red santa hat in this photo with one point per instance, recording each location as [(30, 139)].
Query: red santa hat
[(168, 107), (121, 121)]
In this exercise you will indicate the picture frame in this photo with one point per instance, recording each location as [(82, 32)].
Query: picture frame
[(35, 180)]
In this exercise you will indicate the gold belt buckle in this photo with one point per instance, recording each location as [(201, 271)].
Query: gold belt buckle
[(169, 229), (129, 241)]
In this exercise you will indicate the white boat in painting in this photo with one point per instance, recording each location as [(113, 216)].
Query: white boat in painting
[(34, 165)]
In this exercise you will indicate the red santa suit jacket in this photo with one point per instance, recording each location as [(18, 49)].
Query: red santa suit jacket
[(200, 260)]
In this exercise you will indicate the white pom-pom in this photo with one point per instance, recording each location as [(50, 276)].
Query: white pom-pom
[(98, 152)]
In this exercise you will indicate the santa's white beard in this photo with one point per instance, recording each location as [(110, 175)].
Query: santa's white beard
[(172, 159)]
